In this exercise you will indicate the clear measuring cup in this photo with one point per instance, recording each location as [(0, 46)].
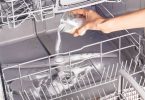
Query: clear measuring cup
[(71, 22)]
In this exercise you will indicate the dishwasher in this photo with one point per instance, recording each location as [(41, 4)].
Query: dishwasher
[(108, 69)]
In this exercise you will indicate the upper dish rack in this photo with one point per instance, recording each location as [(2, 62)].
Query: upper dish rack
[(14, 12)]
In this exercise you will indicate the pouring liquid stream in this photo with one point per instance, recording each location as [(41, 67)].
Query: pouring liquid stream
[(58, 42)]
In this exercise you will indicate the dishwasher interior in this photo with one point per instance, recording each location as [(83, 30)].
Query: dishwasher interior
[(111, 68)]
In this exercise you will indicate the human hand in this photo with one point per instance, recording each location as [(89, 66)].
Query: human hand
[(92, 21)]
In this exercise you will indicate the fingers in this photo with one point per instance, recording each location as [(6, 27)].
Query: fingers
[(81, 31), (80, 12)]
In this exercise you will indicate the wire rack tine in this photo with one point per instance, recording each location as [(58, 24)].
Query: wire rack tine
[(32, 94), (126, 85), (70, 63), (78, 98), (83, 81), (49, 67), (51, 84), (21, 95), (92, 77), (112, 72), (86, 74), (62, 83), (43, 93), (58, 91), (119, 50), (79, 83), (82, 96), (104, 92), (26, 94), (121, 64), (107, 76), (124, 67), (48, 90), (103, 75), (37, 90), (99, 93), (21, 81), (115, 87), (144, 83), (135, 68), (95, 69), (141, 78), (117, 66), (130, 66)]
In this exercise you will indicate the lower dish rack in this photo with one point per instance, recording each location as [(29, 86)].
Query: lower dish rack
[(99, 75)]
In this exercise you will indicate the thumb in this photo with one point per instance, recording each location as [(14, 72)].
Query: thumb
[(82, 30)]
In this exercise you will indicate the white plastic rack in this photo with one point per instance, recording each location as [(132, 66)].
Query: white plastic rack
[(14, 12)]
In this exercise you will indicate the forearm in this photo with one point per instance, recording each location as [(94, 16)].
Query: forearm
[(127, 21)]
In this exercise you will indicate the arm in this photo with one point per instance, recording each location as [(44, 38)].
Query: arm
[(128, 21), (96, 22)]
